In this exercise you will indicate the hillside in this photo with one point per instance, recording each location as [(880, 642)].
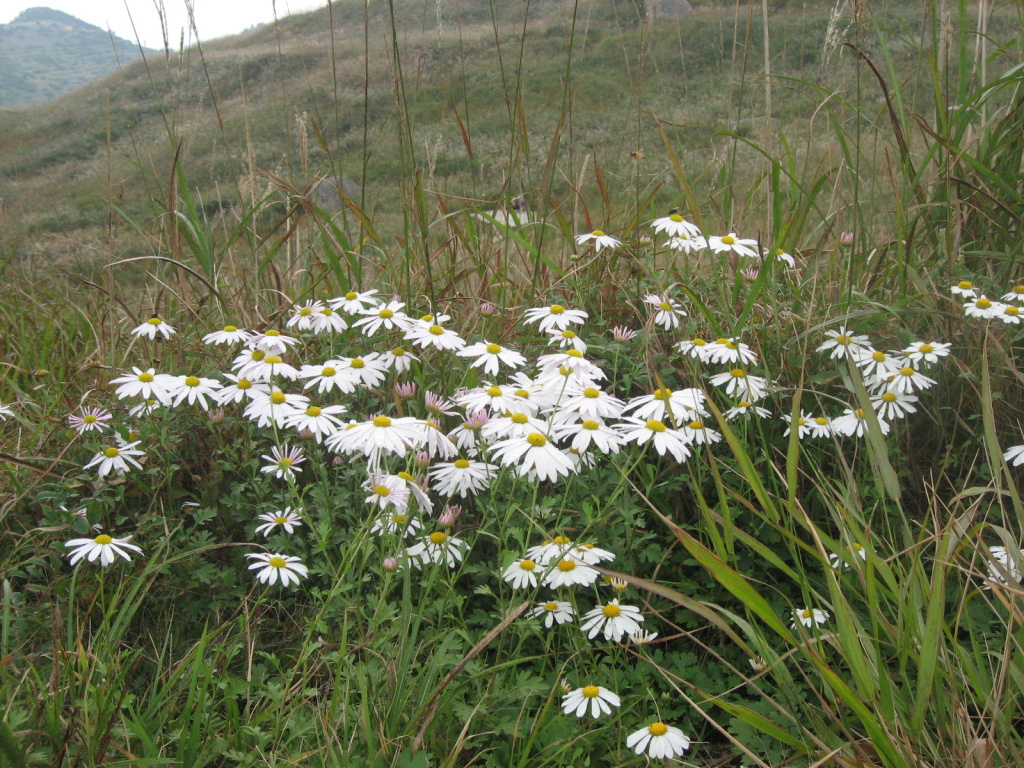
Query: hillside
[(471, 94), (46, 53)]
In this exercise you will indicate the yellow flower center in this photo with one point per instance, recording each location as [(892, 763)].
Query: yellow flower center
[(277, 561), (313, 410), (272, 360), (382, 490), (90, 419), (676, 217), (357, 363), (527, 565), (407, 477), (103, 539), (738, 373), (859, 412), (438, 537), (1012, 311), (561, 540), (662, 394), (154, 321), (398, 519), (925, 349), (699, 342), (494, 348), (191, 381), (611, 610), (327, 311), (243, 384), (520, 418), (522, 393), (257, 354), (722, 341), (272, 332), (284, 463), (551, 607), (700, 424), (229, 329), (820, 421), (728, 239), (568, 334), (1018, 290), (597, 233), (566, 565), (655, 426), (435, 330), (536, 439), (878, 357), (427, 318), (386, 313), (461, 464), (843, 339), (806, 613), (328, 371), (965, 285), (494, 391), (591, 692), (381, 421), (907, 371), (592, 392), (574, 353), (305, 311), (889, 397), (556, 309), (145, 378), (351, 296), (983, 303), (657, 729), (746, 404), (277, 398), (398, 352), (590, 425), (665, 306), (280, 520)]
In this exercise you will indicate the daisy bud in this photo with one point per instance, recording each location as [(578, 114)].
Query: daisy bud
[(622, 334), (422, 459), (488, 308), (338, 461), (406, 390), (215, 415), (390, 564), (449, 515), (846, 238)]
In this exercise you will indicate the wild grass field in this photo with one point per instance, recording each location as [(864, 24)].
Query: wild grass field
[(709, 456)]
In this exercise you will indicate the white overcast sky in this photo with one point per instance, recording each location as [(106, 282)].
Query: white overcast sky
[(214, 18)]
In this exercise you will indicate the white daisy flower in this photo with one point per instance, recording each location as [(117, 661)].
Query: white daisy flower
[(926, 352), (567, 338), (665, 404), (396, 523), (613, 619), (368, 370), (271, 341), (5, 411), (326, 320), (733, 243), (688, 243), (570, 572), (102, 547), (744, 409), (428, 334), (737, 383), (555, 612), (533, 453), (284, 462), (552, 549), (302, 315), (781, 255), (144, 408), (964, 288), (588, 432), (229, 334), (115, 460), (147, 384), (726, 351), (398, 359), (387, 491), (842, 559), (809, 617), (593, 403), (522, 574), (905, 380), (893, 405), (821, 426), (984, 308), (240, 389), (269, 367), (667, 311), (592, 697), (490, 356), (272, 567), (354, 302), (1016, 294), (389, 317), (554, 317), (697, 348), (600, 239), (1015, 455), (90, 420), (381, 435), (698, 433), (321, 421), (663, 438), (642, 638), (660, 741), (462, 477), (675, 225), (843, 342), (804, 426), (152, 327), (193, 389), (1004, 569), (274, 407), (438, 547), (853, 423), (286, 519), (1010, 314)]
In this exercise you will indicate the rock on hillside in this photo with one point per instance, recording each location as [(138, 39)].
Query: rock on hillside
[(45, 53)]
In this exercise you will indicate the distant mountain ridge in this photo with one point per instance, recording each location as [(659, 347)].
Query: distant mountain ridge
[(46, 53)]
